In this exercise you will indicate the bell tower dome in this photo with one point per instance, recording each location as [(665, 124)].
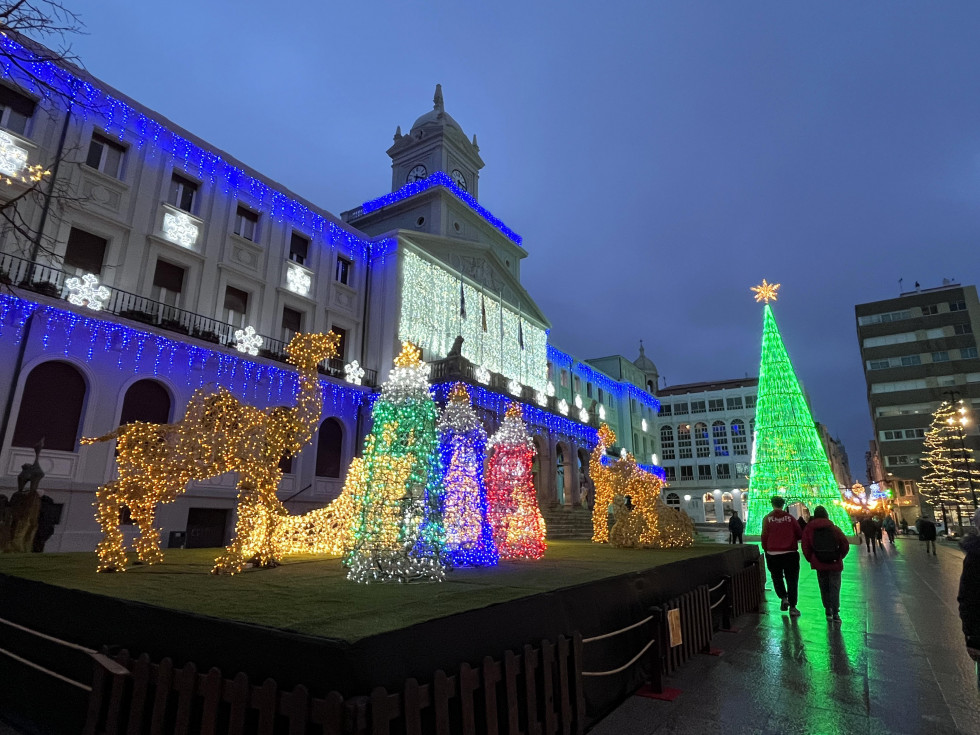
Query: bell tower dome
[(436, 142)]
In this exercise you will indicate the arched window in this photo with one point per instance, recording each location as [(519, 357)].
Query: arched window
[(51, 407), (740, 443), (684, 441), (719, 434), (673, 499), (329, 448), (667, 441), (709, 497), (726, 497), (146, 400), (701, 439), (752, 429)]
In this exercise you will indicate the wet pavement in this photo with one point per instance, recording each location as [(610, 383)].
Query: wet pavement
[(897, 665)]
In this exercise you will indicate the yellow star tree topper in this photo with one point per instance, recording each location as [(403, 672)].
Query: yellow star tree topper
[(766, 292)]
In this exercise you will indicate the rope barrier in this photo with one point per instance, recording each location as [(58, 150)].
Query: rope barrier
[(48, 637), (719, 602), (712, 589), (624, 666), (617, 632), (49, 672)]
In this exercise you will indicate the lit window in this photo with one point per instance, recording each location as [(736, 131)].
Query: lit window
[(719, 434)]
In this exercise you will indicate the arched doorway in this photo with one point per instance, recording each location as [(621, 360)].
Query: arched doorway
[(51, 407), (585, 492), (560, 474), (329, 448), (146, 400)]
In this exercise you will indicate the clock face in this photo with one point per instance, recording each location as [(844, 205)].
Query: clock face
[(459, 179), (416, 174)]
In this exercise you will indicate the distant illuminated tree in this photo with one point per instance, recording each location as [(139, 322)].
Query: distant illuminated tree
[(950, 473)]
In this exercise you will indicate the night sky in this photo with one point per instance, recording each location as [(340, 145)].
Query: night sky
[(660, 158)]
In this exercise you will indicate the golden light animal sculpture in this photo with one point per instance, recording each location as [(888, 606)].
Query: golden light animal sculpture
[(602, 478), (218, 434)]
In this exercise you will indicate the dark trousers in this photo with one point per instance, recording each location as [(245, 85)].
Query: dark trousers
[(737, 537), (829, 590), (891, 537), (785, 572)]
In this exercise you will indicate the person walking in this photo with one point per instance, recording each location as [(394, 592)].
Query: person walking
[(736, 527), (927, 532), (969, 594), (889, 527), (780, 535), (870, 534), (905, 527), (824, 545)]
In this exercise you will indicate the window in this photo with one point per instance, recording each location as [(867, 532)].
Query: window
[(723, 472), (602, 396), (341, 343), (578, 385), (697, 407), (941, 356), (588, 390), (182, 192), (910, 360), (15, 110), (665, 409), (914, 433), (899, 385), (701, 439), (299, 248), (168, 283), (957, 306), (51, 407), (246, 223), (902, 459), (85, 252), (673, 499), (878, 364), (735, 404), (667, 441), (343, 270), (105, 155), (564, 378), (962, 329), (968, 352), (719, 434), (687, 472), (292, 323), (670, 475), (680, 409), (716, 404), (329, 448), (146, 400), (930, 309), (890, 339), (750, 401), (236, 306), (892, 316), (684, 441), (740, 444), (704, 471)]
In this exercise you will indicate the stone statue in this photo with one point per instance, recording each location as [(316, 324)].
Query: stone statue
[(25, 505), (457, 349)]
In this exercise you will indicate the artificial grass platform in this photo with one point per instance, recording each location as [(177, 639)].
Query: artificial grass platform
[(310, 594)]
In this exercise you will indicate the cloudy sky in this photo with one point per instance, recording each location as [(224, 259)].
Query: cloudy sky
[(659, 158)]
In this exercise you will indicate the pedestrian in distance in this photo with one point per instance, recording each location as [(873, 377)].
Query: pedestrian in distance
[(889, 527), (905, 527), (927, 533), (878, 532), (780, 535), (870, 534), (824, 545), (969, 594), (736, 527)]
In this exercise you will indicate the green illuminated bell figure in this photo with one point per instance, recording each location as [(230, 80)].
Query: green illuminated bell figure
[(788, 457)]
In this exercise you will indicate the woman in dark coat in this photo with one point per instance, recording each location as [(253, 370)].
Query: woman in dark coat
[(828, 571), (927, 532), (969, 596), (736, 526)]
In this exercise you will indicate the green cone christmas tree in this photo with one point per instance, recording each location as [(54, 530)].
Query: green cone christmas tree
[(788, 458)]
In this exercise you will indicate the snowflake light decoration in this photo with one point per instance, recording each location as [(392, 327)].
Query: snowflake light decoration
[(298, 280), (540, 398), (514, 388), (583, 416), (13, 158), (563, 407), (246, 340), (643, 424), (602, 413), (86, 291), (179, 229), (550, 389), (482, 375), (622, 452), (353, 373), (578, 401)]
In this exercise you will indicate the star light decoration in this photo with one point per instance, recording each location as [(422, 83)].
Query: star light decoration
[(86, 291), (514, 388), (180, 229), (482, 375), (602, 413), (643, 424), (298, 280), (246, 340), (550, 389), (578, 401), (766, 292), (353, 373), (583, 416)]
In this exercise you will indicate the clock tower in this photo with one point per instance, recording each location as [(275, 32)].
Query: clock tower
[(436, 142)]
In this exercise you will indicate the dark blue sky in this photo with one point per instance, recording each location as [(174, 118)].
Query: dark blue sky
[(660, 157)]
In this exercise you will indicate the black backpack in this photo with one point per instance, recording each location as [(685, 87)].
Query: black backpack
[(825, 545)]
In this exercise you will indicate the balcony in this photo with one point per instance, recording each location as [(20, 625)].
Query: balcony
[(51, 282)]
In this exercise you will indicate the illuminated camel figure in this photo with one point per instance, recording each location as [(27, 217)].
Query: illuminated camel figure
[(604, 480), (218, 434)]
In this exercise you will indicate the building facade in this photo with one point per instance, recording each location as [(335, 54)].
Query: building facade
[(192, 257), (837, 456), (917, 350)]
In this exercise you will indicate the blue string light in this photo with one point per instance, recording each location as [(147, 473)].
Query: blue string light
[(590, 374), (440, 179)]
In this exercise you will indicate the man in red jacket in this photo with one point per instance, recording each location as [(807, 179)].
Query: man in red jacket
[(780, 535), (825, 546)]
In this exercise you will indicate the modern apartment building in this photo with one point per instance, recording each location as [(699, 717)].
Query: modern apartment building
[(918, 350)]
